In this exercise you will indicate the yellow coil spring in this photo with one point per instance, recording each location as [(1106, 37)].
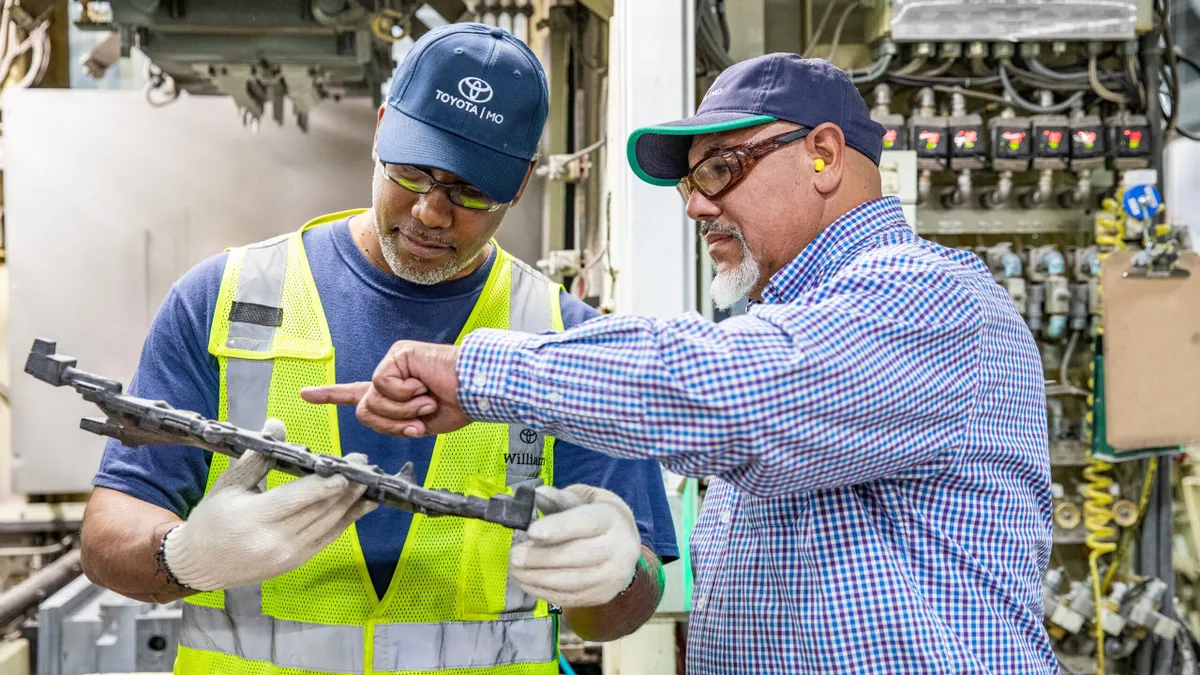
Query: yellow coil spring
[(1097, 518), (1097, 515)]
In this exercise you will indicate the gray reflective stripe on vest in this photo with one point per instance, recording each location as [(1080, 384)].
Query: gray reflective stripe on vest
[(260, 283), (470, 644), (340, 648), (247, 387), (529, 300), (248, 381), (528, 312)]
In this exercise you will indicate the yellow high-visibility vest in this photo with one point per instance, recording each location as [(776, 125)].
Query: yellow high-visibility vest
[(451, 608)]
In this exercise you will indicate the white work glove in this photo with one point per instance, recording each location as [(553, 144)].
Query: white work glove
[(582, 553), (239, 534)]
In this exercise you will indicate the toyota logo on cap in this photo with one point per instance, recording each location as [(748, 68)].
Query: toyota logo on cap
[(474, 89)]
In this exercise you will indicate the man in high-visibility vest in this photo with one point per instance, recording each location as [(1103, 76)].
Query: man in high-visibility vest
[(304, 574)]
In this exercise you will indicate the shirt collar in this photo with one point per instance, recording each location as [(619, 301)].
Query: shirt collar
[(831, 247)]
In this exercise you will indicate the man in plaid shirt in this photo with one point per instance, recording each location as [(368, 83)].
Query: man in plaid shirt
[(875, 425)]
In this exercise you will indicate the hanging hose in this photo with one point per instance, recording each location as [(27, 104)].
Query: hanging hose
[(1097, 518), (1104, 92), (1097, 514)]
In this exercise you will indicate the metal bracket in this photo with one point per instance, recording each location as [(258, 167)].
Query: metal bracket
[(1157, 263)]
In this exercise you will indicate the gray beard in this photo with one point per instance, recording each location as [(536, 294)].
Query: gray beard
[(731, 285), (391, 255)]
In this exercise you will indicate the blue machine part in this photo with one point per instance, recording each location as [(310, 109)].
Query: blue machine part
[(1012, 265), (1055, 264), (1142, 202), (1057, 328)]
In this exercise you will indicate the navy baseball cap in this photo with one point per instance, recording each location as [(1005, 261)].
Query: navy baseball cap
[(469, 99), (764, 89)]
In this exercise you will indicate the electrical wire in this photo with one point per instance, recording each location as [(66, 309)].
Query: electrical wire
[(1191, 63), (1039, 82), (1066, 359), (1098, 87), (712, 38), (1169, 70), (911, 67), (157, 80), (970, 92), (940, 69), (872, 72), (820, 29), (1017, 99), (837, 31), (1127, 535), (1133, 76), (924, 81), (1045, 71)]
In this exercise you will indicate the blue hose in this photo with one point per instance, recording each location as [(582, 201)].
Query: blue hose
[(566, 667)]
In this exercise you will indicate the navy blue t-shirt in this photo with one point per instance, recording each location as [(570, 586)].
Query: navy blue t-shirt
[(367, 311)]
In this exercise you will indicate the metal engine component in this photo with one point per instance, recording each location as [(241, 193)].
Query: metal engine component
[(136, 421), (1125, 513), (260, 54), (87, 629), (1067, 612), (1142, 610), (1067, 515)]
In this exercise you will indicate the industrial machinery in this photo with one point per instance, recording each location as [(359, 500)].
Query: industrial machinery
[(263, 53)]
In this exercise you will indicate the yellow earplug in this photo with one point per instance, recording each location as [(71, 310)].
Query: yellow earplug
[(819, 164)]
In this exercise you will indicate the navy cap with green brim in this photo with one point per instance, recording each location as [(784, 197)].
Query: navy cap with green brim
[(769, 88)]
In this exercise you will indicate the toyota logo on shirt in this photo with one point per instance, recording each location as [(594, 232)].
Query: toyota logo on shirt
[(475, 89)]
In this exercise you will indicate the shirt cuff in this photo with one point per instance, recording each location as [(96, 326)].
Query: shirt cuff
[(488, 364)]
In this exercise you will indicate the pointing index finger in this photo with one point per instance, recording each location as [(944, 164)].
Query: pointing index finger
[(349, 393)]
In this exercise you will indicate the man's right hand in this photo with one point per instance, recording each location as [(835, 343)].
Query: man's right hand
[(239, 534)]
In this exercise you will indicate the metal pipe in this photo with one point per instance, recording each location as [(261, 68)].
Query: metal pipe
[(40, 585), (924, 185), (994, 197), (15, 551)]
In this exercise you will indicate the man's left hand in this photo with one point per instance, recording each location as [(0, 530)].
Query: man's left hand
[(414, 392), (578, 556)]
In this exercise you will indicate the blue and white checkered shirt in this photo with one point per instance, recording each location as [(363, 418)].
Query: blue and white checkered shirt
[(877, 431)]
